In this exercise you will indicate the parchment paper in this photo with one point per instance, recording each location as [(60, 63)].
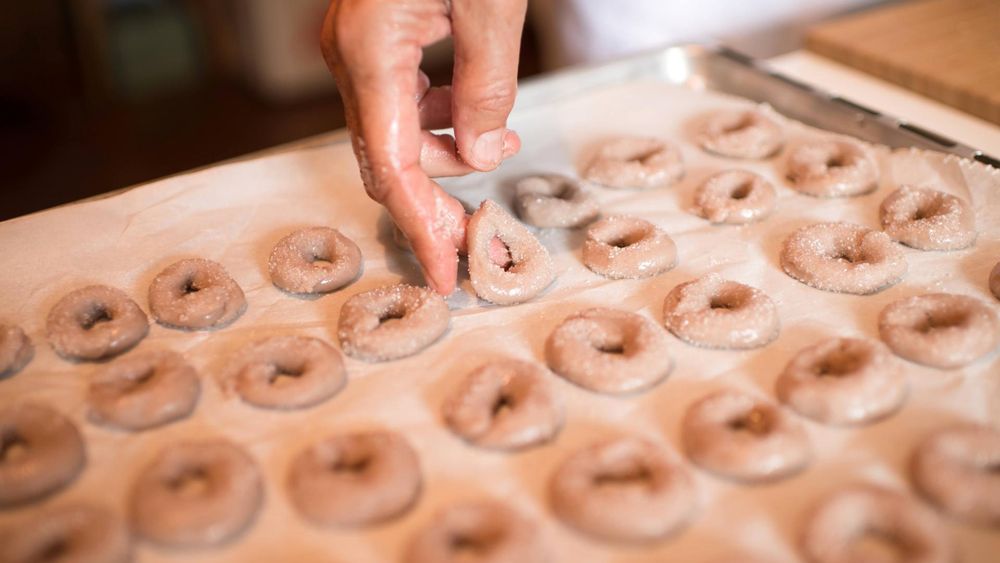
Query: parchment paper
[(235, 213)]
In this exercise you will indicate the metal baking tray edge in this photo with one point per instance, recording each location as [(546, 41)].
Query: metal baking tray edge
[(721, 69)]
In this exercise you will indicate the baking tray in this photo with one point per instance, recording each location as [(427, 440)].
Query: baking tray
[(721, 69)]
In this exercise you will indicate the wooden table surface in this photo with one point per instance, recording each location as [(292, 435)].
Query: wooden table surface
[(947, 50)]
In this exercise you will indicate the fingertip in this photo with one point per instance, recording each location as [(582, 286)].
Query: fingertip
[(511, 143)]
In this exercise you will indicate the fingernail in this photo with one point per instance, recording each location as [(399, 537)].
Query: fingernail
[(511, 144), (488, 148)]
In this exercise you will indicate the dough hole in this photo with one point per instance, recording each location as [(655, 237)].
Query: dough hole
[(756, 422), (873, 545), (12, 448), (95, 316), (940, 320), (639, 476), (190, 484), (356, 466)]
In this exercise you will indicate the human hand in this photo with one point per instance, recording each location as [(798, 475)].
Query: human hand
[(373, 49)]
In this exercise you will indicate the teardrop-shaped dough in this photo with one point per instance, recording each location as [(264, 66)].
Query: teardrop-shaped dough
[(529, 269)]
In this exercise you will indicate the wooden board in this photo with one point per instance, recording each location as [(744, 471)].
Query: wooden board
[(948, 50)]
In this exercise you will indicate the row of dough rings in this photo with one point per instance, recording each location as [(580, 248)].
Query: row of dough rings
[(622, 247), (955, 468), (529, 269), (478, 531), (609, 351), (834, 167), (717, 313), (554, 200), (508, 404), (843, 381), (734, 197), (314, 260), (940, 330), (636, 163), (927, 219), (624, 489), (143, 390), (95, 322), (355, 479), (391, 322), (843, 258), (745, 134), (16, 350), (288, 372), (195, 294), (742, 437), (197, 493), (76, 532), (41, 451), (838, 527)]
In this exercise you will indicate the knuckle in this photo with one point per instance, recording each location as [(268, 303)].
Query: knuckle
[(496, 98)]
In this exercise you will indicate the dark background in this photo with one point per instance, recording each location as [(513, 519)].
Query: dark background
[(96, 95)]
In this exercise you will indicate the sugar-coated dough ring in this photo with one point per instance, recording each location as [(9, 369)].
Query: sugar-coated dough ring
[(72, 533), (622, 247), (609, 351), (314, 260), (839, 525), (625, 489), (355, 479), (713, 312), (741, 134), (735, 197), (940, 330), (928, 219), (484, 531), (994, 281), (529, 269), (195, 294), (739, 436), (41, 451), (391, 322), (506, 404), (833, 168), (143, 390), (843, 258), (16, 350), (196, 494), (843, 381), (955, 468), (637, 163), (95, 322), (554, 200), (288, 372)]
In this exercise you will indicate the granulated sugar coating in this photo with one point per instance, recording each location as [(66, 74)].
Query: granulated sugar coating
[(552, 200), (195, 294), (625, 489), (843, 381), (741, 134), (288, 371), (391, 322), (833, 167), (636, 162), (16, 350), (143, 390), (621, 247), (717, 313), (314, 260), (843, 258), (507, 404), (955, 468), (609, 351), (529, 269), (928, 219), (743, 437), (735, 197), (941, 330)]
